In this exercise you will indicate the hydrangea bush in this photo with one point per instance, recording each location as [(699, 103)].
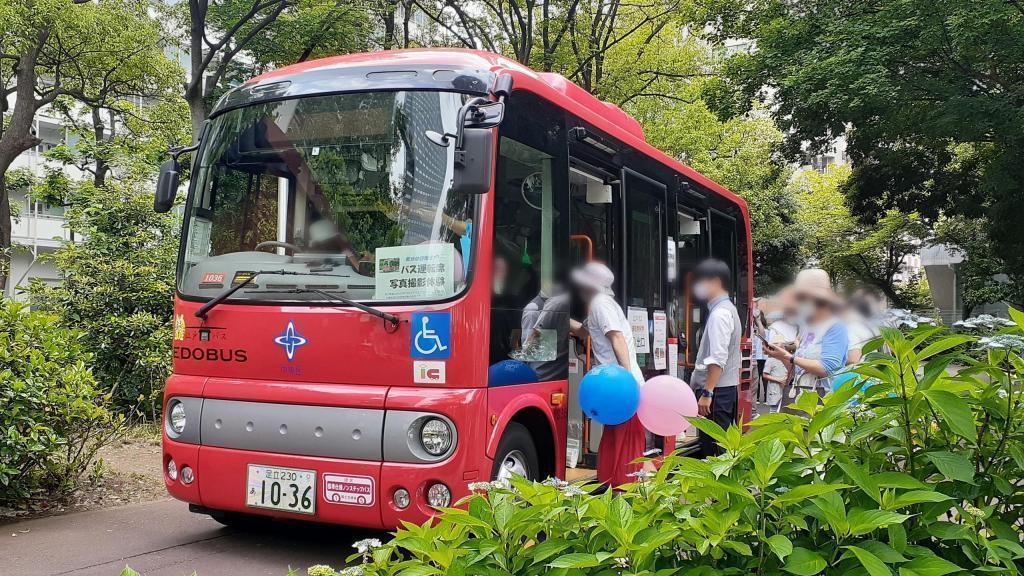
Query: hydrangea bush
[(914, 470)]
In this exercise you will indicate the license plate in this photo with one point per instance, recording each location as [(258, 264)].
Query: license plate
[(287, 489)]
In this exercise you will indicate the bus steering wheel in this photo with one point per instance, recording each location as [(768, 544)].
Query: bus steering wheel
[(278, 244)]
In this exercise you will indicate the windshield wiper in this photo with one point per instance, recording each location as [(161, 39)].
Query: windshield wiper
[(205, 309), (389, 318)]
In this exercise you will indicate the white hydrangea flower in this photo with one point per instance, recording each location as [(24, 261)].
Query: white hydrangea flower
[(986, 321), (351, 571), (622, 562), (900, 318), (1001, 342), (571, 490), (641, 475), (555, 482), (365, 545), (479, 486)]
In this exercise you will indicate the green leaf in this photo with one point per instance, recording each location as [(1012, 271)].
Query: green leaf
[(710, 428), (941, 345), (953, 466), (861, 478), (917, 497), (806, 491), (575, 560), (870, 562), (955, 412), (804, 562), (129, 572), (865, 521), (930, 566), (780, 545), (547, 549), (1017, 316), (898, 537), (884, 552)]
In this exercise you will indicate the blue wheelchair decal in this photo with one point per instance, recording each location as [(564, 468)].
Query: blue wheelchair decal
[(431, 335)]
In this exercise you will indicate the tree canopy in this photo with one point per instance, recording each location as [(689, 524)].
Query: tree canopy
[(928, 93)]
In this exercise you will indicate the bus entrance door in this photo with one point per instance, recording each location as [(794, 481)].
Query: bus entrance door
[(592, 198)]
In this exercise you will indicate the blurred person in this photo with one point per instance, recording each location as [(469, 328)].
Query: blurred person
[(860, 327), (611, 342), (785, 326), (776, 377), (824, 342), (758, 355), (716, 375)]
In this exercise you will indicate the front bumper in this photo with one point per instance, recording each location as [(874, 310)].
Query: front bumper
[(283, 438)]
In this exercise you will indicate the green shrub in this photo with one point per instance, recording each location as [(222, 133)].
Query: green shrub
[(52, 419), (918, 474), (117, 281)]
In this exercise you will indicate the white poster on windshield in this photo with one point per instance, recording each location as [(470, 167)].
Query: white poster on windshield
[(660, 340), (641, 331), (415, 272)]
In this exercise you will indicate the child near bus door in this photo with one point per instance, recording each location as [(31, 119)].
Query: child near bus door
[(611, 341)]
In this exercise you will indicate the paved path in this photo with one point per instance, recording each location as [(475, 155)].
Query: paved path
[(163, 538)]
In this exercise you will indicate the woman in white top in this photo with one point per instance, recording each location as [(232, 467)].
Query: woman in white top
[(611, 341)]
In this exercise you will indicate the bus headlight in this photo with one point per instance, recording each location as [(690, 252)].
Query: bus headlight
[(436, 436), (176, 417)]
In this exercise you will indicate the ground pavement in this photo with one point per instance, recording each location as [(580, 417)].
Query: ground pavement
[(162, 538)]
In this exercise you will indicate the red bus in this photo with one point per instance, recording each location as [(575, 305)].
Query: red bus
[(371, 309)]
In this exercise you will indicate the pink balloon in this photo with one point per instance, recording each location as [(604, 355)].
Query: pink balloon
[(665, 401)]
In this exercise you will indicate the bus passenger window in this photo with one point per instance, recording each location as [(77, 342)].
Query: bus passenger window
[(529, 315)]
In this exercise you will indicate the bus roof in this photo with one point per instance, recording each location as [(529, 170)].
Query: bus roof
[(553, 87)]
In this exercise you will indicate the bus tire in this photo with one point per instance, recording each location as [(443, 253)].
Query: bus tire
[(516, 454)]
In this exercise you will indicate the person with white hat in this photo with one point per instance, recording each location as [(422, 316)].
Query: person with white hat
[(611, 341), (824, 341)]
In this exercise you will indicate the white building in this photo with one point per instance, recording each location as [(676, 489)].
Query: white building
[(38, 228)]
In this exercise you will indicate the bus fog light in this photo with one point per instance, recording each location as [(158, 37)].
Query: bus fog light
[(401, 498), (172, 469), (187, 476), (436, 436), (176, 417), (439, 496)]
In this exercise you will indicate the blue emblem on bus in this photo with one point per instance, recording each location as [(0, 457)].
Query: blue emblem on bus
[(290, 340), (431, 335)]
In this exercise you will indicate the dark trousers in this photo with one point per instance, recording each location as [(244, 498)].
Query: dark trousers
[(724, 405)]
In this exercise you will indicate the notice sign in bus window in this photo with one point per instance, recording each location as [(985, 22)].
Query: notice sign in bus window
[(415, 272)]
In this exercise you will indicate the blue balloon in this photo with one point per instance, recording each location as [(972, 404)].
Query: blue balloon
[(509, 372), (609, 394)]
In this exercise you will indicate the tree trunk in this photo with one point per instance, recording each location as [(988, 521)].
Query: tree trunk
[(99, 177), (197, 110), (5, 231), (17, 137)]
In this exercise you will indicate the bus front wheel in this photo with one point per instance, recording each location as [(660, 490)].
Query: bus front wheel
[(516, 455)]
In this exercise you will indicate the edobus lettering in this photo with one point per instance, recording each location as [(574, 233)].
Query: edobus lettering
[(211, 354)]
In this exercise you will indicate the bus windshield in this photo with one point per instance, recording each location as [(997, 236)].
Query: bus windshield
[(346, 193)]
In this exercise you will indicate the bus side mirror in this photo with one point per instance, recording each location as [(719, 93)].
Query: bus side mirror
[(473, 161), (167, 185)]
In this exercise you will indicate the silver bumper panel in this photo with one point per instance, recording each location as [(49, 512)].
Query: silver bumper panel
[(350, 433)]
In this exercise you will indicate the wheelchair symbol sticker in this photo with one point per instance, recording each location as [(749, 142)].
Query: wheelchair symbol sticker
[(431, 335)]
